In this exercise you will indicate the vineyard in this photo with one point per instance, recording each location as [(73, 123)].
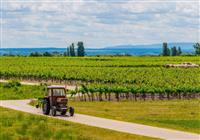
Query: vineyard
[(110, 78)]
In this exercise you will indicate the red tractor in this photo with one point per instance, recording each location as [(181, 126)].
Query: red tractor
[(55, 101)]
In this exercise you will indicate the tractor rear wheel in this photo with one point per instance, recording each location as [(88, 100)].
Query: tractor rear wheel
[(71, 111), (46, 107)]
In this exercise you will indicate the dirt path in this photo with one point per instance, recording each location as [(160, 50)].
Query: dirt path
[(132, 128), (37, 84)]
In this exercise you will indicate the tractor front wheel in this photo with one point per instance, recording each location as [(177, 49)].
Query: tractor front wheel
[(71, 111), (53, 112), (46, 107)]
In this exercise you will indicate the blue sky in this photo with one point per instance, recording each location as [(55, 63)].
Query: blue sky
[(98, 23)]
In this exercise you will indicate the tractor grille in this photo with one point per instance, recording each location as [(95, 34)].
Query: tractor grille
[(62, 100)]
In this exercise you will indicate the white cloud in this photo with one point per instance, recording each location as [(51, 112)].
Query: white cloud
[(99, 24)]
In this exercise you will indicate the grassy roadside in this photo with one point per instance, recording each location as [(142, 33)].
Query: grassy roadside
[(14, 90), (175, 114), (17, 125)]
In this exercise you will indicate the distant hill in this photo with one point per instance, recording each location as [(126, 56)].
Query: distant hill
[(185, 46), (151, 49)]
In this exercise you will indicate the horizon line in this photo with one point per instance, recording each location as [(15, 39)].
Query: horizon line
[(109, 46)]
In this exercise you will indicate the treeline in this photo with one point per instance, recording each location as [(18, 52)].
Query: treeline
[(46, 54), (197, 48), (72, 50), (176, 51), (79, 52), (36, 54)]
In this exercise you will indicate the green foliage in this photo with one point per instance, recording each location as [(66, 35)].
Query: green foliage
[(72, 50), (67, 53), (13, 90), (11, 84), (35, 54), (166, 50), (174, 51), (197, 48), (142, 73), (80, 49), (179, 52), (47, 54)]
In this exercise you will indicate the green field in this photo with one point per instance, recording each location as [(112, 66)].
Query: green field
[(117, 77), (15, 125), (142, 74), (175, 114)]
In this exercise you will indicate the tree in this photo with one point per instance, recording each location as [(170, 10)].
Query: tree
[(47, 54), (166, 50), (174, 51), (179, 51), (35, 54), (71, 50), (56, 53), (80, 49), (197, 48), (65, 54), (68, 51)]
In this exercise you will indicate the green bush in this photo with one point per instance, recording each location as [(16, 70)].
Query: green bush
[(12, 83)]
